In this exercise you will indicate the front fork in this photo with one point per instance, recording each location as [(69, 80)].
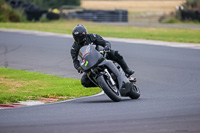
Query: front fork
[(110, 78), (105, 72)]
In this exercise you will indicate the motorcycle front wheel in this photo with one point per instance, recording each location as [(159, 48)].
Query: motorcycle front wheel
[(111, 91)]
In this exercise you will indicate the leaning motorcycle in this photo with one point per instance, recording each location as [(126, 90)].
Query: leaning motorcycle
[(107, 74)]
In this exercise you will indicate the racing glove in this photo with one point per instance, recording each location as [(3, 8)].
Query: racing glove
[(107, 49), (80, 71)]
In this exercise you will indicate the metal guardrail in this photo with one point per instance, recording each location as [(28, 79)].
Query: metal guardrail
[(140, 14), (99, 15)]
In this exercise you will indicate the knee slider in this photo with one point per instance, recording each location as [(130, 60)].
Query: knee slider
[(87, 84), (84, 84), (118, 55)]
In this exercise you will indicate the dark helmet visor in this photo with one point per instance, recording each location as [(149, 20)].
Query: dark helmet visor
[(79, 38)]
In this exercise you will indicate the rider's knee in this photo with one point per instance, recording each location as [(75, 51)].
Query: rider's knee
[(88, 84), (84, 84), (85, 81)]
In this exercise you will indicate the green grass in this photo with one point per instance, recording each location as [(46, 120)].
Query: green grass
[(162, 34), (17, 85), (173, 20)]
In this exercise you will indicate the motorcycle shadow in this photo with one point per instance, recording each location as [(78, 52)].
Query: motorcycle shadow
[(105, 101)]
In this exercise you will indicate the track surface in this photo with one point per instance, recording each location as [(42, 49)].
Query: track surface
[(169, 79)]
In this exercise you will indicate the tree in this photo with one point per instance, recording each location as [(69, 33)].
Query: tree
[(7, 14), (191, 10), (191, 4)]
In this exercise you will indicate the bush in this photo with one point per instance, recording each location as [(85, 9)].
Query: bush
[(7, 14), (189, 12), (171, 20)]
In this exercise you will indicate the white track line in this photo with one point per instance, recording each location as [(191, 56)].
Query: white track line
[(136, 41), (99, 94)]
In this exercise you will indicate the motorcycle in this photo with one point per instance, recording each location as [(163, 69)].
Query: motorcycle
[(107, 74)]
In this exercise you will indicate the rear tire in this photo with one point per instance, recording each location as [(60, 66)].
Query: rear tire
[(135, 92), (113, 95)]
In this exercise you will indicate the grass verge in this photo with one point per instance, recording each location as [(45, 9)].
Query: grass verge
[(162, 34), (17, 85)]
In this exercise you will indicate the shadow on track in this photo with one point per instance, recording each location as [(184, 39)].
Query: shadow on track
[(106, 101)]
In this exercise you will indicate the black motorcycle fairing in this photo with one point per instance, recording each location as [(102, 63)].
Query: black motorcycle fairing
[(94, 58)]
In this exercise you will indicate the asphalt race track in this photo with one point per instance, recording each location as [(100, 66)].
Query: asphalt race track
[(169, 79)]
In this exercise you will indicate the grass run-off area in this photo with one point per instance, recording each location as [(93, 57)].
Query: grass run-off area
[(162, 34), (17, 85)]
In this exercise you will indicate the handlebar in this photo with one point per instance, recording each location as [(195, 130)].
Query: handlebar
[(103, 52)]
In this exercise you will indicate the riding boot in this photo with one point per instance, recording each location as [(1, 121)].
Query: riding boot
[(125, 67), (116, 56)]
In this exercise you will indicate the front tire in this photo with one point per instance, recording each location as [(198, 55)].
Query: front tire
[(106, 86)]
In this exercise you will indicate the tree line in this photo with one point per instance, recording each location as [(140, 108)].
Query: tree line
[(192, 4)]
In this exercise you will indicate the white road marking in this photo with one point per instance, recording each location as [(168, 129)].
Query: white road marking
[(136, 41)]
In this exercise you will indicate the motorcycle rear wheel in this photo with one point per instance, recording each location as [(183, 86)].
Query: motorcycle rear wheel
[(135, 92), (113, 94)]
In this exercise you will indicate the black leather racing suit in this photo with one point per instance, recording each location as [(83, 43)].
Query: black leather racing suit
[(96, 40)]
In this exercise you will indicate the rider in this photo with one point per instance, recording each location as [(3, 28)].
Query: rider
[(81, 38)]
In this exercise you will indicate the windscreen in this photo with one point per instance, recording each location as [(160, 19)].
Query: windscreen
[(89, 56)]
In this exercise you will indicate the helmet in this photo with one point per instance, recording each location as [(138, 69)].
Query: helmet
[(79, 33)]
